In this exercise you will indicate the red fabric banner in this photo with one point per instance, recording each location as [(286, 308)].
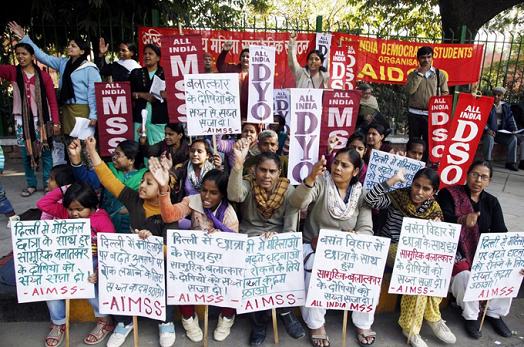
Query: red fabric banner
[(180, 55), (339, 116), (390, 61), (343, 66), (115, 115), (439, 116), (465, 132)]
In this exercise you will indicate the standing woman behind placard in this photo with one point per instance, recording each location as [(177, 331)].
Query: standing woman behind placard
[(313, 75), (119, 70)]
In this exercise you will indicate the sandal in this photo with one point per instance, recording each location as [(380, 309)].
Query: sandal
[(103, 327), (55, 336), (28, 192), (366, 337), (320, 340)]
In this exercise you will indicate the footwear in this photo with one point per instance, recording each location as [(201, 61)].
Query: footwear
[(103, 327), (193, 331), (415, 340), (364, 335), (258, 335), (293, 326), (55, 336), (499, 326), (167, 334), (28, 192), (512, 166), (472, 328), (521, 165), (223, 328), (441, 330), (118, 337)]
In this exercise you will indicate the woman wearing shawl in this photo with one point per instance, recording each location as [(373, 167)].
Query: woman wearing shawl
[(210, 211), (263, 201), (34, 108), (77, 79), (335, 201), (120, 69), (478, 212), (416, 201)]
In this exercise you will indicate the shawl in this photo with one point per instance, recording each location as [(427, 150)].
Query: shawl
[(197, 181), (218, 217), (337, 208), (429, 209), (132, 181), (267, 205)]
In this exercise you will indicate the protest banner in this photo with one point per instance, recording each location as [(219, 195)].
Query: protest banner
[(339, 117), (343, 66), (347, 272), (495, 270), (390, 61), (115, 115), (425, 256), (212, 104), (439, 116), (382, 166), (465, 132), (53, 259), (323, 45), (205, 269), (181, 55), (261, 84), (281, 105), (274, 275), (131, 275), (304, 138)]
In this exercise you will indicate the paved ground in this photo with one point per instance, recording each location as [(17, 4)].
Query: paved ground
[(508, 187)]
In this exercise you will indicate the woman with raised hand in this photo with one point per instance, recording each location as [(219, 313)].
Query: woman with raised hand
[(77, 78), (335, 201), (263, 199), (416, 201), (313, 74), (119, 70)]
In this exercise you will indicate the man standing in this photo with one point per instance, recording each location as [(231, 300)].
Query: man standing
[(423, 83)]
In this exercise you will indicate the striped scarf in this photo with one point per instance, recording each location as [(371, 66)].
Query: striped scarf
[(268, 204)]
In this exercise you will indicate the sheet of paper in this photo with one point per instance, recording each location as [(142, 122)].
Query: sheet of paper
[(82, 130), (157, 86)]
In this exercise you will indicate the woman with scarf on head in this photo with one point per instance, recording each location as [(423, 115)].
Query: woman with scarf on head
[(77, 79), (335, 201), (209, 211), (478, 212), (313, 75), (416, 201), (263, 199), (119, 70), (35, 110)]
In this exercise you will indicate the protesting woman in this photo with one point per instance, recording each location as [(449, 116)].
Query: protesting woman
[(335, 201), (173, 145), (375, 135), (119, 70), (416, 201), (477, 211), (313, 75), (35, 110)]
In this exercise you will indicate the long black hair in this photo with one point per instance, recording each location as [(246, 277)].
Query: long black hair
[(320, 55), (354, 158), (67, 91), (83, 193)]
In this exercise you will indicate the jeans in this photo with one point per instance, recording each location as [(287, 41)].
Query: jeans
[(5, 205), (47, 165)]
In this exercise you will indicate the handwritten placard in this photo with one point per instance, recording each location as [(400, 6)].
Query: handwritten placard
[(383, 165), (131, 275), (495, 270), (347, 272), (204, 268), (53, 259), (212, 104), (274, 274), (425, 257)]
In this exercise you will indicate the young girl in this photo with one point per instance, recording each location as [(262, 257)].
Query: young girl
[(174, 144), (60, 176), (209, 210), (78, 201), (250, 132)]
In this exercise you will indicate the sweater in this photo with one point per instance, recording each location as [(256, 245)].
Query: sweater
[(224, 67), (140, 82), (420, 89), (303, 79)]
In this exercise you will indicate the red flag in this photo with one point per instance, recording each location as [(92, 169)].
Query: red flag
[(439, 116)]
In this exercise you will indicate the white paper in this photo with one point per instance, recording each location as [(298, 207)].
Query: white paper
[(82, 130), (261, 84), (323, 44), (158, 85), (53, 259), (144, 120)]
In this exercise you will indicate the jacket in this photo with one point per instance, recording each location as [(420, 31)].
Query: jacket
[(507, 122)]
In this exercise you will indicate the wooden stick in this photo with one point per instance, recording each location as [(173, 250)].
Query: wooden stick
[(206, 322), (135, 331), (344, 328), (484, 315), (275, 325), (67, 310)]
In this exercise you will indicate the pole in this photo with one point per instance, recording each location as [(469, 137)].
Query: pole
[(344, 328), (206, 323), (135, 331), (275, 325), (68, 309)]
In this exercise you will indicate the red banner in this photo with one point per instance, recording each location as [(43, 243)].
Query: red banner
[(439, 116), (390, 61), (115, 115), (339, 116), (180, 55), (343, 65), (467, 127)]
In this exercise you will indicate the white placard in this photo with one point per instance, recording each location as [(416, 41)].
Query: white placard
[(274, 274), (131, 275), (425, 257), (212, 104), (347, 272), (281, 105), (205, 269), (53, 259), (323, 44), (261, 84), (496, 266)]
